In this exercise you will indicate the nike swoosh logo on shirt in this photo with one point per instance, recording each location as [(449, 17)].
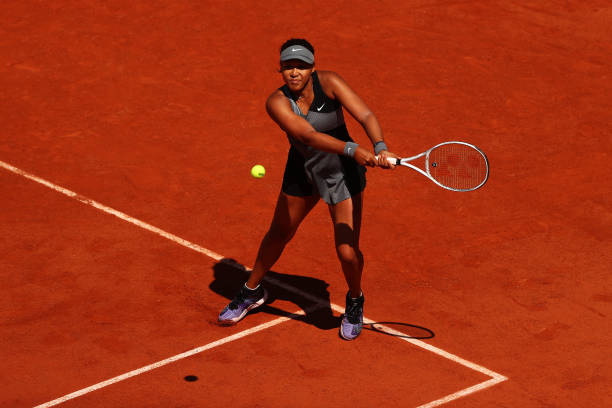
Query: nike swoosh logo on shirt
[(319, 109)]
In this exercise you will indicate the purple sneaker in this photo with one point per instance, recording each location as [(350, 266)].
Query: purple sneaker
[(245, 300), (352, 320)]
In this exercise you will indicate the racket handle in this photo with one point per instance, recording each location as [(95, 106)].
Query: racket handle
[(391, 160)]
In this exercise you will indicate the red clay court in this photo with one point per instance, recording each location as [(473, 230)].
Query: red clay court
[(129, 216)]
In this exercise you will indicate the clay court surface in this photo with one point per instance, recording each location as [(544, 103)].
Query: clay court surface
[(129, 217)]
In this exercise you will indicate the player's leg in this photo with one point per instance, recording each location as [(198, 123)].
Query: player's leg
[(346, 217), (357, 214), (289, 213)]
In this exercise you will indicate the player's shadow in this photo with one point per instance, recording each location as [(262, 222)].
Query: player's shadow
[(230, 275)]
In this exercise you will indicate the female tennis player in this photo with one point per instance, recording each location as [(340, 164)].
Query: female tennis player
[(323, 162)]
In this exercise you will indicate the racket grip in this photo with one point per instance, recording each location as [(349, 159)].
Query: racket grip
[(391, 160)]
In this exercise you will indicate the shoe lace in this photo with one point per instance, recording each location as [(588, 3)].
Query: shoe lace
[(240, 298), (353, 312), (237, 301)]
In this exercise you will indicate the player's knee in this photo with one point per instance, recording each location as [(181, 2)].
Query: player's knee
[(280, 233), (346, 253)]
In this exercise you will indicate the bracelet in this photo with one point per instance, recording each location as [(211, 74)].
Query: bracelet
[(349, 149), (379, 146)]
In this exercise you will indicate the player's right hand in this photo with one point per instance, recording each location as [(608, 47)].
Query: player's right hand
[(383, 159)]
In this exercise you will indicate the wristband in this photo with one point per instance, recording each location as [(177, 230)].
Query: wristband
[(379, 146), (349, 149)]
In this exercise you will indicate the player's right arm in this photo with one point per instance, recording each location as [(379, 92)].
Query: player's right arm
[(279, 109)]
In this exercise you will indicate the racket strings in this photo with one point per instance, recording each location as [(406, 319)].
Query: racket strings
[(457, 166)]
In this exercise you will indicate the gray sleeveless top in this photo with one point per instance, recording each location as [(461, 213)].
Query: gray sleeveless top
[(326, 171)]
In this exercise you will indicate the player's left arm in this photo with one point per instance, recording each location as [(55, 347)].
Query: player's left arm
[(358, 109)]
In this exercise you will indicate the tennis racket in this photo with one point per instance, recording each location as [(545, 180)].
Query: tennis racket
[(456, 166)]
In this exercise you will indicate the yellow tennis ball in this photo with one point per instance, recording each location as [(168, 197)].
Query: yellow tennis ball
[(258, 171)]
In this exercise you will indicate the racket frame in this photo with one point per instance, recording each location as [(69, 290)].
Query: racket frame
[(405, 162)]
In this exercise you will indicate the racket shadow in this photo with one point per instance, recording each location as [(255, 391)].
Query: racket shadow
[(402, 330), (230, 275)]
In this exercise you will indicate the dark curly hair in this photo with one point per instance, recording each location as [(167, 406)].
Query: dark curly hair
[(297, 41)]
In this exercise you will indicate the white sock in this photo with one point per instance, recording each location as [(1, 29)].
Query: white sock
[(256, 287)]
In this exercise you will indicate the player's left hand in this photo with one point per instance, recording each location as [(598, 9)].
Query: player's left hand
[(382, 160)]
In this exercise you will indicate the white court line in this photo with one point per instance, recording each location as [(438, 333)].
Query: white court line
[(464, 392), (165, 362), (114, 212), (495, 377)]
